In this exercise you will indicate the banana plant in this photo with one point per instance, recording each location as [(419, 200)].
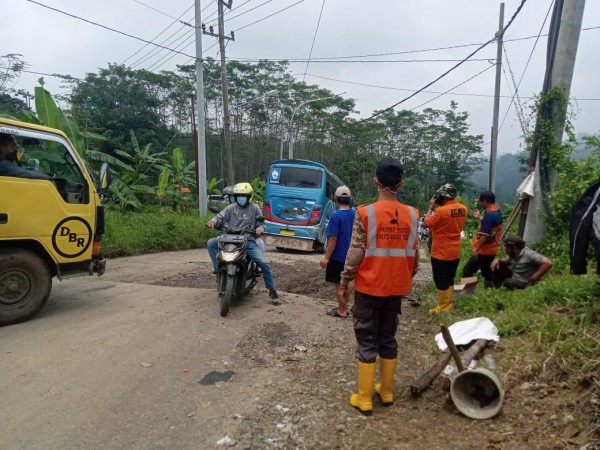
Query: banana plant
[(175, 179)]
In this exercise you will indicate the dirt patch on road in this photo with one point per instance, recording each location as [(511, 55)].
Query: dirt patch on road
[(302, 277), (545, 408)]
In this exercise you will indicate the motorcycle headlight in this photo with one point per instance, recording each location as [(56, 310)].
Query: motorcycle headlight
[(228, 256)]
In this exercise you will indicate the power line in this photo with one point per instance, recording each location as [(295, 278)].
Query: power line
[(108, 28), (403, 89), (377, 113), (336, 61), (526, 66), (313, 41), (257, 21), (245, 12), (168, 41), (176, 19), (55, 75), (451, 89), (156, 37), (270, 15), (405, 52)]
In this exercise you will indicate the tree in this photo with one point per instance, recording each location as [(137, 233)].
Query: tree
[(117, 100)]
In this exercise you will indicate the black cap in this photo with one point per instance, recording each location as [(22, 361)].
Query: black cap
[(514, 240), (389, 172), (488, 196)]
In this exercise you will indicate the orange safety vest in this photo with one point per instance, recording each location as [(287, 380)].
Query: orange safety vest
[(445, 224), (387, 268)]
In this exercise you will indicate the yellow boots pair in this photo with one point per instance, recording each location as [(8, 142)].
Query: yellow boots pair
[(444, 301), (363, 400)]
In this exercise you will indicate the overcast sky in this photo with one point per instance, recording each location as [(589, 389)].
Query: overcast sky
[(54, 43)]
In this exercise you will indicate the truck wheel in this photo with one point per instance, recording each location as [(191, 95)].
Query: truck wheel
[(228, 294), (25, 283)]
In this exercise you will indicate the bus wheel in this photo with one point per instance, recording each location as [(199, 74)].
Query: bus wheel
[(25, 283), (320, 247)]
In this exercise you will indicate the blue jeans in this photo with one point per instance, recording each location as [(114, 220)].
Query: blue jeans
[(255, 254)]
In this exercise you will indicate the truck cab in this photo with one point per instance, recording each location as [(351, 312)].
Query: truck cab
[(51, 217)]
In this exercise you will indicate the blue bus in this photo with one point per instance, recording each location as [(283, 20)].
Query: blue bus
[(298, 204)]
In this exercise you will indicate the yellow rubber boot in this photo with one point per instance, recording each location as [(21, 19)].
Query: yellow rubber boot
[(450, 296), (444, 301), (363, 401), (387, 371)]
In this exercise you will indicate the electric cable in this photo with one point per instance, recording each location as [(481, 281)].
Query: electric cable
[(312, 46), (176, 19), (378, 61), (157, 36), (242, 13), (379, 112), (451, 89), (270, 15), (537, 36), (108, 28), (171, 40), (515, 94), (527, 64)]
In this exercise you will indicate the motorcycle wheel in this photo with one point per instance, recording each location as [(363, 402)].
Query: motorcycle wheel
[(228, 294)]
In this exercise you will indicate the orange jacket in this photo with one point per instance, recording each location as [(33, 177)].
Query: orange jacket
[(387, 268), (445, 224)]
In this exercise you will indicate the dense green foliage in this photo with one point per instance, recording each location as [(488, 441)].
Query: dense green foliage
[(150, 232)]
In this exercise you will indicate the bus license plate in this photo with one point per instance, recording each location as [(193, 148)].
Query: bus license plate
[(287, 232), (298, 244)]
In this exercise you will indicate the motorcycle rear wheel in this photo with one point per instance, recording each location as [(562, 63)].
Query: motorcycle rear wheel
[(228, 294)]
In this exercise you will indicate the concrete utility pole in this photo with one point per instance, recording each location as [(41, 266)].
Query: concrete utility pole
[(201, 133), (224, 89), (559, 75), (494, 148)]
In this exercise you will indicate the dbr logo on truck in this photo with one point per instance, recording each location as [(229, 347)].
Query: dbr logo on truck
[(71, 237)]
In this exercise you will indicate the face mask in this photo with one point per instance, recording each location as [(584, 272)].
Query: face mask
[(231, 199), (242, 201)]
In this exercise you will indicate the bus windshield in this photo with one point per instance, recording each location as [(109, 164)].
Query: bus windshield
[(299, 177)]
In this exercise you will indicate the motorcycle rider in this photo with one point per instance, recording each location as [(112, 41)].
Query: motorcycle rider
[(243, 214)]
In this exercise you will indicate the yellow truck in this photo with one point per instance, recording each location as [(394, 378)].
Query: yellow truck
[(51, 217)]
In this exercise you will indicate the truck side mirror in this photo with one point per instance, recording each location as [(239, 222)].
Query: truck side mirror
[(105, 178)]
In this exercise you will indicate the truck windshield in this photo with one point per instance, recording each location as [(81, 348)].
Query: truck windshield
[(54, 159), (299, 177)]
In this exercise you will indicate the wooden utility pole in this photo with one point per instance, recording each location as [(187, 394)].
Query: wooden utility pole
[(494, 148), (224, 89), (563, 41)]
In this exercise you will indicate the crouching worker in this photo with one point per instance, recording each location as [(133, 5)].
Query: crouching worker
[(243, 214), (522, 267), (382, 259)]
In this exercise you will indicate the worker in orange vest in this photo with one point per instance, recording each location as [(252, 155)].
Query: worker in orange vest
[(382, 259), (446, 219)]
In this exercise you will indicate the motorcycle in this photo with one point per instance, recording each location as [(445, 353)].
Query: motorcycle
[(237, 274)]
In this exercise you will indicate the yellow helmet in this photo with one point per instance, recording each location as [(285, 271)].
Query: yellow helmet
[(243, 189)]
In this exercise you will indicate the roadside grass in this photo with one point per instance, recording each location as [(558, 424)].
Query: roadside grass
[(152, 231), (559, 317)]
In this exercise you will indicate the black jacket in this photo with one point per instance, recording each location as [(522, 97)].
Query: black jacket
[(10, 169)]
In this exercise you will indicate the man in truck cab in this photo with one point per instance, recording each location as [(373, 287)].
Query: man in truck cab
[(9, 161)]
